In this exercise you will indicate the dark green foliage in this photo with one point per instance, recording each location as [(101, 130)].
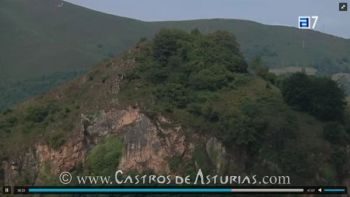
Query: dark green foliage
[(174, 94), (336, 134), (57, 140), (182, 74), (103, 159), (7, 111), (296, 91), (12, 121), (39, 114), (202, 159), (338, 137), (212, 78), (204, 62), (8, 123), (245, 128), (216, 97), (183, 71), (340, 157), (318, 96), (328, 100), (301, 161), (168, 43)]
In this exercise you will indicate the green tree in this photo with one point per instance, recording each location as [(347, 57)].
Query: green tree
[(166, 43), (296, 91), (327, 99), (103, 159), (319, 96), (211, 78)]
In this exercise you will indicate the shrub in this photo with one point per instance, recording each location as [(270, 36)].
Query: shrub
[(103, 159), (37, 115), (212, 78), (40, 113), (174, 94), (296, 160), (8, 124), (57, 140), (166, 43), (318, 96)]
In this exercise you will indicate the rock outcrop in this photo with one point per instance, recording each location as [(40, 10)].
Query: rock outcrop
[(147, 146)]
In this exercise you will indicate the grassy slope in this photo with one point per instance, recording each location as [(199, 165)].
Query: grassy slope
[(64, 105), (38, 38)]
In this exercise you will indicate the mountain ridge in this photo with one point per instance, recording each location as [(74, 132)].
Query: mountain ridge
[(198, 19), (151, 27), (41, 38)]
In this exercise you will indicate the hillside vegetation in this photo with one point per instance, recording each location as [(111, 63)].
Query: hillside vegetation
[(200, 82), (40, 38)]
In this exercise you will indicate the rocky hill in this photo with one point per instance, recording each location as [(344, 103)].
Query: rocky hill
[(172, 105)]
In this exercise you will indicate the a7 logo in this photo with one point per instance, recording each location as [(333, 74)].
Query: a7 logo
[(305, 22)]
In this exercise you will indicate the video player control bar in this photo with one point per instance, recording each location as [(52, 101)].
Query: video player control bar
[(203, 190)]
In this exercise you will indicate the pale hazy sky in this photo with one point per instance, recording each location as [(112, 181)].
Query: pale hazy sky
[(273, 12)]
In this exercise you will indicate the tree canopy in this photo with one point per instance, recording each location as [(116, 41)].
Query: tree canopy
[(319, 96)]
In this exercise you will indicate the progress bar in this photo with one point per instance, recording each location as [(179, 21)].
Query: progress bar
[(115, 190), (160, 190)]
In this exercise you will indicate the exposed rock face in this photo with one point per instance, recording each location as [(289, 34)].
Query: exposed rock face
[(24, 167), (148, 146), (217, 154), (67, 157), (128, 117)]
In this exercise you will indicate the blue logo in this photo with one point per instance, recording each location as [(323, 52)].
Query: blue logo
[(304, 22)]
